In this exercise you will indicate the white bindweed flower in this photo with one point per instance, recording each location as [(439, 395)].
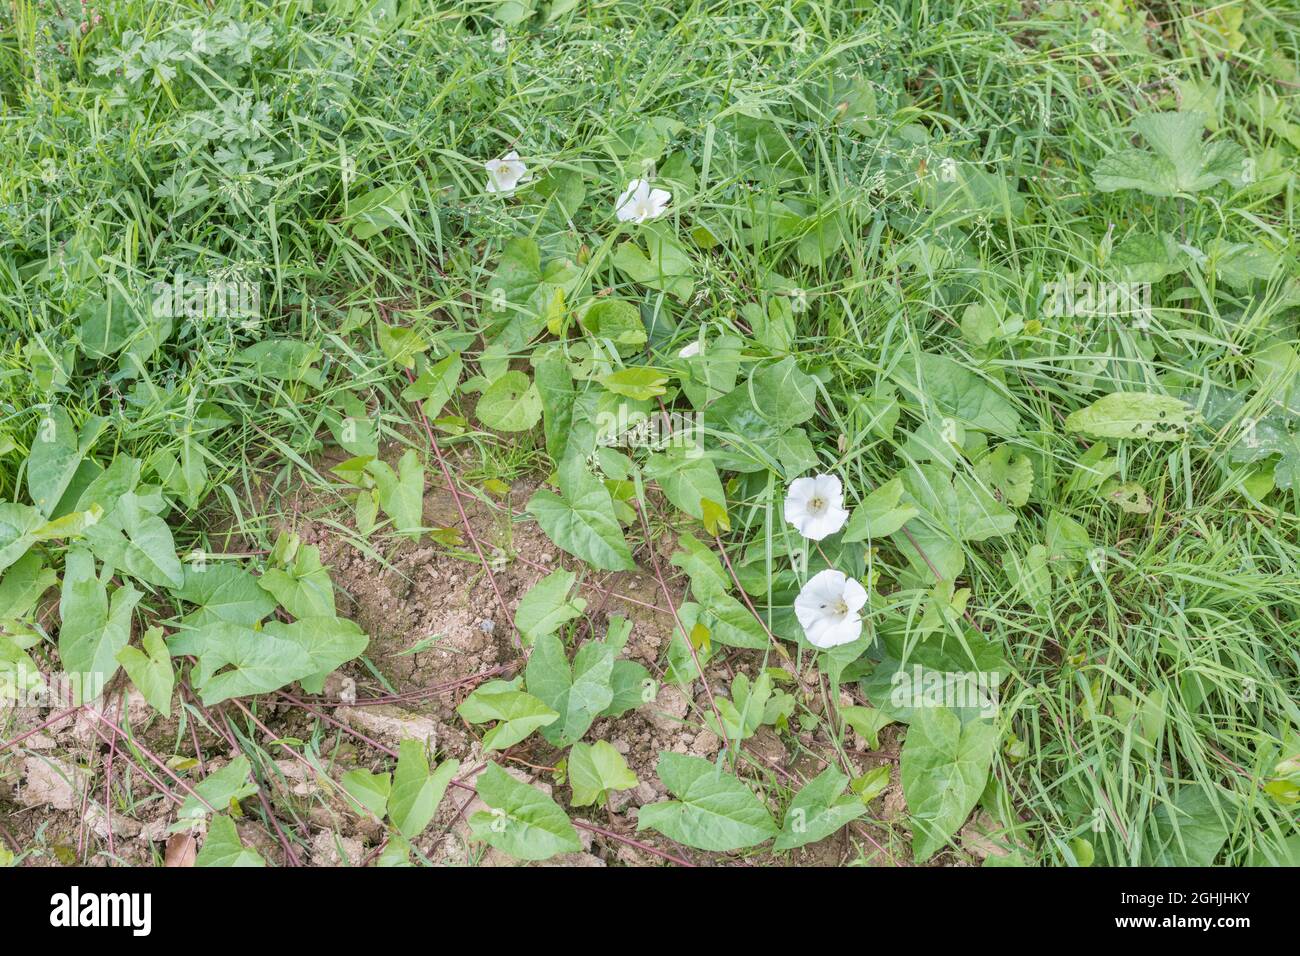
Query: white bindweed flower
[(506, 173), (640, 203), (828, 607), (690, 350), (815, 506)]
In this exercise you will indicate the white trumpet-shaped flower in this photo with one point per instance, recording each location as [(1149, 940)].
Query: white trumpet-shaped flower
[(828, 607), (640, 203), (690, 350), (505, 173), (815, 506)]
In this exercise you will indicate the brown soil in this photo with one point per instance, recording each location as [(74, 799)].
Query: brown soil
[(405, 595)]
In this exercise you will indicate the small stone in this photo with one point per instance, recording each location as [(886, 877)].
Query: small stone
[(51, 782), (327, 849), (487, 625), (97, 820), (706, 743)]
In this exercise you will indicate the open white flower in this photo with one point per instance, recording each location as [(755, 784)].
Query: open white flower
[(505, 173), (815, 506), (640, 203), (828, 607)]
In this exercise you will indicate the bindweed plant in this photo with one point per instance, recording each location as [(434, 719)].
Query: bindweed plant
[(935, 362)]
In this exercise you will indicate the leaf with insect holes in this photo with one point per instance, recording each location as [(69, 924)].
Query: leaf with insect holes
[(1008, 473), (713, 810), (547, 606), (416, 792), (518, 714), (944, 767), (1134, 415), (581, 519), (595, 769), (93, 630), (151, 670), (521, 820), (577, 693), (818, 810), (222, 847)]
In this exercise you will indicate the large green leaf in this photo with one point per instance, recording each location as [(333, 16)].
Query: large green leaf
[(92, 629), (663, 264), (1177, 162), (18, 525), (577, 694), (957, 392), (224, 591), (581, 519), (303, 589), (134, 538), (57, 451), (416, 792), (523, 296), (881, 513), (329, 642), (370, 790), (1190, 830), (595, 769), (713, 810), (521, 821), (510, 404), (151, 670), (944, 767), (687, 479), (236, 661), (547, 606), (220, 790), (818, 810), (518, 713), (401, 493)]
